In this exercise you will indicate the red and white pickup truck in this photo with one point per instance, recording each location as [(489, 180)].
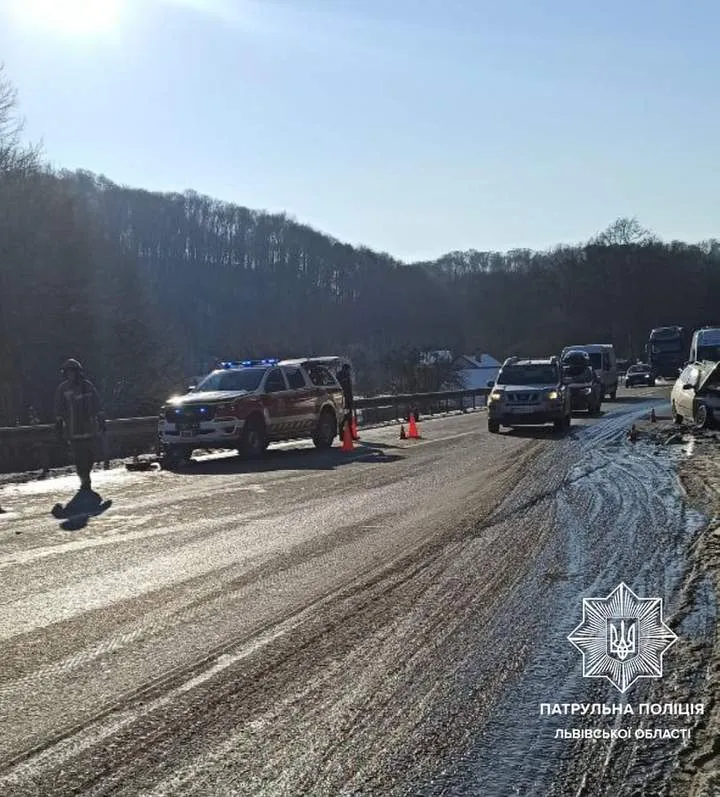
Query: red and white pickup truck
[(247, 405)]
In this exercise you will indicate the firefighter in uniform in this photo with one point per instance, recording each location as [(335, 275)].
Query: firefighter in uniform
[(345, 379), (79, 418)]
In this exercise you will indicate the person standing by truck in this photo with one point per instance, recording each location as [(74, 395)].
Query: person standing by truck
[(344, 378), (79, 418)]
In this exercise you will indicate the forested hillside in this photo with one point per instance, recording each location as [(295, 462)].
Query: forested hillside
[(147, 288)]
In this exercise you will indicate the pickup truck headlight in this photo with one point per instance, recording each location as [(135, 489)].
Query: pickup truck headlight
[(553, 395), (495, 395)]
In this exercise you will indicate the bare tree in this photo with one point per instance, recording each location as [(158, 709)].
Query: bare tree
[(623, 232), (14, 156)]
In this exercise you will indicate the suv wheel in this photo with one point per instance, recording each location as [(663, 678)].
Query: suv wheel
[(613, 394), (560, 424), (254, 438), (493, 427), (326, 430)]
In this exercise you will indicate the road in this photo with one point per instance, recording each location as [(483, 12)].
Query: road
[(381, 622)]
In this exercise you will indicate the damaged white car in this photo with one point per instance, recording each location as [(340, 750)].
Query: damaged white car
[(695, 395)]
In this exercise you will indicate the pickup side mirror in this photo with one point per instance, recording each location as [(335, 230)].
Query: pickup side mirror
[(491, 383)]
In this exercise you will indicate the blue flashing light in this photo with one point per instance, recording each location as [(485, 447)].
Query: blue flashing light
[(249, 363)]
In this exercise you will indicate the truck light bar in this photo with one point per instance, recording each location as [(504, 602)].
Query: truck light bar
[(249, 363)]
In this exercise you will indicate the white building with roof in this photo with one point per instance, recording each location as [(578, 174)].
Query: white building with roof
[(477, 371)]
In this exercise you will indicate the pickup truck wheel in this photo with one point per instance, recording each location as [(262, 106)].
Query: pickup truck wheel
[(254, 438), (493, 427), (326, 430), (559, 425), (174, 457)]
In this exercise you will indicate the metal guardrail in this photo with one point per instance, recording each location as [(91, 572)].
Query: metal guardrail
[(24, 448), (398, 407)]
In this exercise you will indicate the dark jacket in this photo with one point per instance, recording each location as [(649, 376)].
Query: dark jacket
[(346, 385), (78, 409)]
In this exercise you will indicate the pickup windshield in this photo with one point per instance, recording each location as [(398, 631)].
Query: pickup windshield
[(245, 379)]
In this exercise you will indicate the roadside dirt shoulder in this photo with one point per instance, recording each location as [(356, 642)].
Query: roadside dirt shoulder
[(698, 466)]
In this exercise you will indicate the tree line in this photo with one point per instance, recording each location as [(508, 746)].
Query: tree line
[(148, 288)]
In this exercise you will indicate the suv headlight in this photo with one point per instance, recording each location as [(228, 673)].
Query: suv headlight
[(496, 395), (553, 395)]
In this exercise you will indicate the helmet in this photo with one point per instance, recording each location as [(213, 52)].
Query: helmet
[(576, 358), (71, 365)]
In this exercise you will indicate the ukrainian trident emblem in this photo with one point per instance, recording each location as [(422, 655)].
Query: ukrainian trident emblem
[(622, 637)]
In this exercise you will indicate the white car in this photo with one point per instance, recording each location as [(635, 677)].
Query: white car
[(695, 396)]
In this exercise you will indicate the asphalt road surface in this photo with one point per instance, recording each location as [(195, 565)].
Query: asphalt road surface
[(384, 622)]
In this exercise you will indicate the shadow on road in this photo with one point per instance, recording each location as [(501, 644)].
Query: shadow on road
[(625, 399), (81, 507), (536, 432), (292, 459)]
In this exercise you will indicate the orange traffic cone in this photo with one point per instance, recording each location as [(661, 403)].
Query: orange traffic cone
[(413, 433), (347, 441), (403, 436), (653, 417), (353, 429)]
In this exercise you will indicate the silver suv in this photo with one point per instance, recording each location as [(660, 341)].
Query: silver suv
[(529, 392)]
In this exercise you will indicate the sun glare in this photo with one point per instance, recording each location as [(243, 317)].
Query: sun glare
[(68, 17)]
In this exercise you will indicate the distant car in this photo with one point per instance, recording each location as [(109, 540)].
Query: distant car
[(247, 405), (529, 392), (639, 374), (586, 390), (695, 396)]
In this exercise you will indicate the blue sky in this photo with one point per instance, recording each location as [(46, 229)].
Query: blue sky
[(411, 126)]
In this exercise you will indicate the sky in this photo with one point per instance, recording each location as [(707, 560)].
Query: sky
[(414, 127)]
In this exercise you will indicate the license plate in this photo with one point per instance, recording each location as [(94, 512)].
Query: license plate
[(524, 410), (187, 429)]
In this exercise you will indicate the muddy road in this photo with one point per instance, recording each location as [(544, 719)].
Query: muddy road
[(385, 622)]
